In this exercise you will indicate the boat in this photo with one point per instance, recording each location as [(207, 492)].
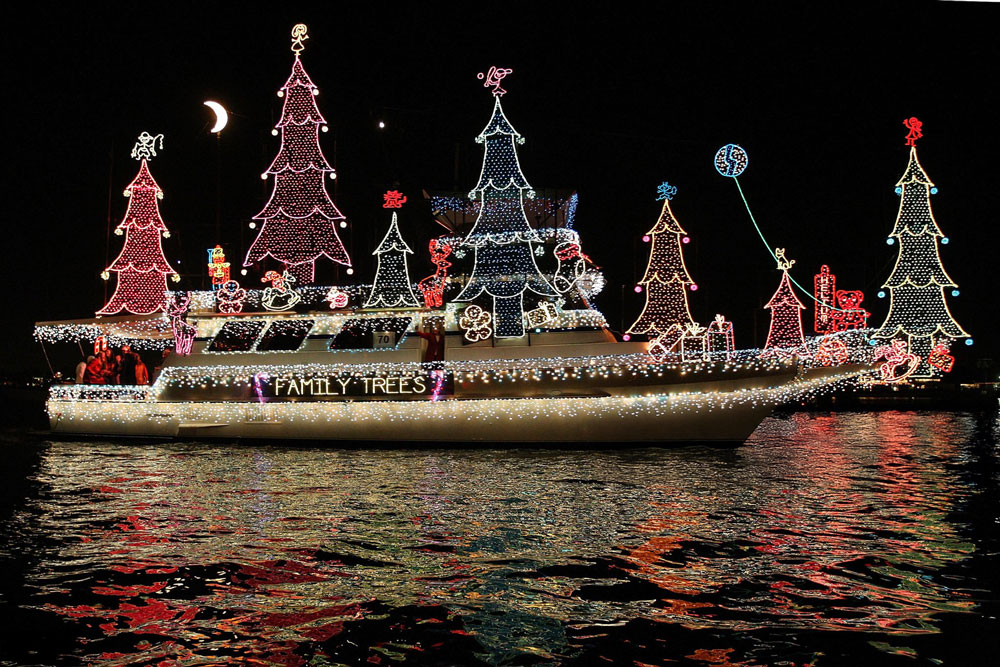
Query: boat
[(511, 351), (364, 376)]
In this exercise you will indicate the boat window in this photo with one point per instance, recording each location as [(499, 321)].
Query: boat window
[(285, 335), (237, 336), (378, 333)]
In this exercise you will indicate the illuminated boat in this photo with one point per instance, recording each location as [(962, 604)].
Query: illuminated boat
[(363, 376)]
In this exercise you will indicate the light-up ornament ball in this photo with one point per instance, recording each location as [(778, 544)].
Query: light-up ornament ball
[(381, 125), (645, 238), (243, 272), (945, 240), (252, 225), (934, 191), (731, 160), (955, 292), (881, 294), (638, 289), (686, 239), (890, 241), (626, 337), (899, 191), (343, 224), (694, 287), (350, 272), (968, 341)]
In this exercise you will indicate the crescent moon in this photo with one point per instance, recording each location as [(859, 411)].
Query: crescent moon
[(221, 116)]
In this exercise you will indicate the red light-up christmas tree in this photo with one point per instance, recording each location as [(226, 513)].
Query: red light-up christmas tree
[(666, 280), (299, 223), (141, 267), (785, 337), (918, 310), (501, 237)]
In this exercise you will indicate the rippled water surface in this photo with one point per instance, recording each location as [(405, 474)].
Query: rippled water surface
[(861, 538)]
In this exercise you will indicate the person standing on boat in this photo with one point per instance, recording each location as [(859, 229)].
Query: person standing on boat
[(81, 368), (141, 373), (126, 367)]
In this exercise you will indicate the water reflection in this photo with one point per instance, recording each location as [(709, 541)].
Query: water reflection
[(823, 536)]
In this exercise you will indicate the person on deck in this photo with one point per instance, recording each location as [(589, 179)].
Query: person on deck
[(94, 373), (127, 366), (81, 368), (141, 373)]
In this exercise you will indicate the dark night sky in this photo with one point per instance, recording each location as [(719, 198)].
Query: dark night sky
[(611, 104)]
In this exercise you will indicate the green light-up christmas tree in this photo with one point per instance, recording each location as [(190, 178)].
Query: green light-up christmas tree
[(918, 309)]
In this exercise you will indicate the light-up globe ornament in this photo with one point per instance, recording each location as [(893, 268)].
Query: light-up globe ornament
[(221, 116), (731, 160)]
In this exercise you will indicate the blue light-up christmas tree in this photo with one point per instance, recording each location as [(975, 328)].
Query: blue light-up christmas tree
[(501, 237), (918, 310)]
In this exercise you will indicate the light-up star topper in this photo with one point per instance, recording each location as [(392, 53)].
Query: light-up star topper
[(145, 147), (494, 77), (665, 191), (731, 160), (298, 37)]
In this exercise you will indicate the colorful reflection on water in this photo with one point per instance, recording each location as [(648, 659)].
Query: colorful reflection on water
[(825, 538)]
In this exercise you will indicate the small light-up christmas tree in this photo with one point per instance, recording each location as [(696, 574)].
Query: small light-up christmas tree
[(299, 223), (785, 337), (918, 310), (501, 237), (141, 267), (392, 288), (666, 280)]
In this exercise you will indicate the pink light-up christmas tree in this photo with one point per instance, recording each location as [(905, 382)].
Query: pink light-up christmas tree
[(141, 267), (299, 223), (785, 337)]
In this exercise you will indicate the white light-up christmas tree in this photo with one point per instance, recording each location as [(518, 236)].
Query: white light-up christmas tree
[(392, 287), (666, 280), (501, 237), (141, 266), (299, 223), (918, 310)]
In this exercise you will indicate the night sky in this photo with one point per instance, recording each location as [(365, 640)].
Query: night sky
[(611, 102)]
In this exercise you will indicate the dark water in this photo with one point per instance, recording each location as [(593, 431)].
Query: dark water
[(862, 538)]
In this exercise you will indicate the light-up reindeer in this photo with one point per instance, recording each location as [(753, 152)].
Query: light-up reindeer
[(184, 333), (432, 287)]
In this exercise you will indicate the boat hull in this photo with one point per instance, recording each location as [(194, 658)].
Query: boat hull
[(558, 420)]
